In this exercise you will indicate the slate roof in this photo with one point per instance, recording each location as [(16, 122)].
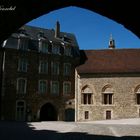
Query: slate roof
[(111, 61), (33, 32)]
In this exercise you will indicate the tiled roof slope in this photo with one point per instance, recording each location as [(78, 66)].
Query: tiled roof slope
[(111, 61)]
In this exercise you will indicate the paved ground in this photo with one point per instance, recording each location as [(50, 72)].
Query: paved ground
[(99, 130)]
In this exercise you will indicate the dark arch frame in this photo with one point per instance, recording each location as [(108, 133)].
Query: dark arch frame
[(125, 13), (24, 12), (48, 112)]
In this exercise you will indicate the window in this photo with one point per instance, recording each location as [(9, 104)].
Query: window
[(86, 115), (138, 98), (66, 87), (55, 49), (107, 98), (22, 65), (67, 51), (137, 93), (108, 114), (43, 47), (55, 88), (55, 68), (87, 95), (67, 69), (43, 67), (21, 86), (20, 111), (87, 98), (42, 86), (23, 44), (107, 95)]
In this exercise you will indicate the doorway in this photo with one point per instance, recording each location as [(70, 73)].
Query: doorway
[(48, 113), (20, 111), (69, 114)]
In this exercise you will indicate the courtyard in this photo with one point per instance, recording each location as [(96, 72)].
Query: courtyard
[(128, 129)]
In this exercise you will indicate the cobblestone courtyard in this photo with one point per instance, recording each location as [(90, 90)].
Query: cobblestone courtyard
[(108, 130)]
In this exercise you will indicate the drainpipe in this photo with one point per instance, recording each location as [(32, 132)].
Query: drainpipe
[(2, 49)]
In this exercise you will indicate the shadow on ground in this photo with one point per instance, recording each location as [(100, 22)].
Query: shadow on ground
[(22, 131)]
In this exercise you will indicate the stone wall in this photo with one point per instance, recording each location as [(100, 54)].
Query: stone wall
[(124, 97)]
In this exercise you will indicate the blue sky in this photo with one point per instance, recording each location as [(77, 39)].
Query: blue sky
[(91, 29)]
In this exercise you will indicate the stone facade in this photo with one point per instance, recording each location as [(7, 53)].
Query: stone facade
[(124, 101), (108, 84)]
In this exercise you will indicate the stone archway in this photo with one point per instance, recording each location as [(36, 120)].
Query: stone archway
[(48, 113)]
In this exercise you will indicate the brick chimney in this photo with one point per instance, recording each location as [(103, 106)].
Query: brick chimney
[(111, 43), (57, 29)]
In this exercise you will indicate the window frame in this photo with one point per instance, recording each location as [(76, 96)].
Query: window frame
[(67, 51), (138, 98), (87, 98), (69, 83), (67, 69), (107, 98), (22, 42), (55, 49), (42, 65), (55, 69), (25, 86), (46, 86), (22, 65), (58, 88), (86, 115), (42, 47)]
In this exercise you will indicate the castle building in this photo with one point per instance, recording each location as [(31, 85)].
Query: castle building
[(45, 77), (38, 75)]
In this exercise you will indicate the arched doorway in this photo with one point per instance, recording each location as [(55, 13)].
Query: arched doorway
[(69, 114), (48, 113)]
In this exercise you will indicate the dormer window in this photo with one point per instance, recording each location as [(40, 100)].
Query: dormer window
[(23, 43), (22, 31), (43, 46), (40, 34), (67, 51), (66, 39), (56, 49)]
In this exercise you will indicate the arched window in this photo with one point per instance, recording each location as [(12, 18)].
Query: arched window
[(20, 110), (107, 92), (137, 91), (87, 95)]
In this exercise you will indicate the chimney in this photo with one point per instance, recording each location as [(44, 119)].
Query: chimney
[(57, 29), (111, 43)]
